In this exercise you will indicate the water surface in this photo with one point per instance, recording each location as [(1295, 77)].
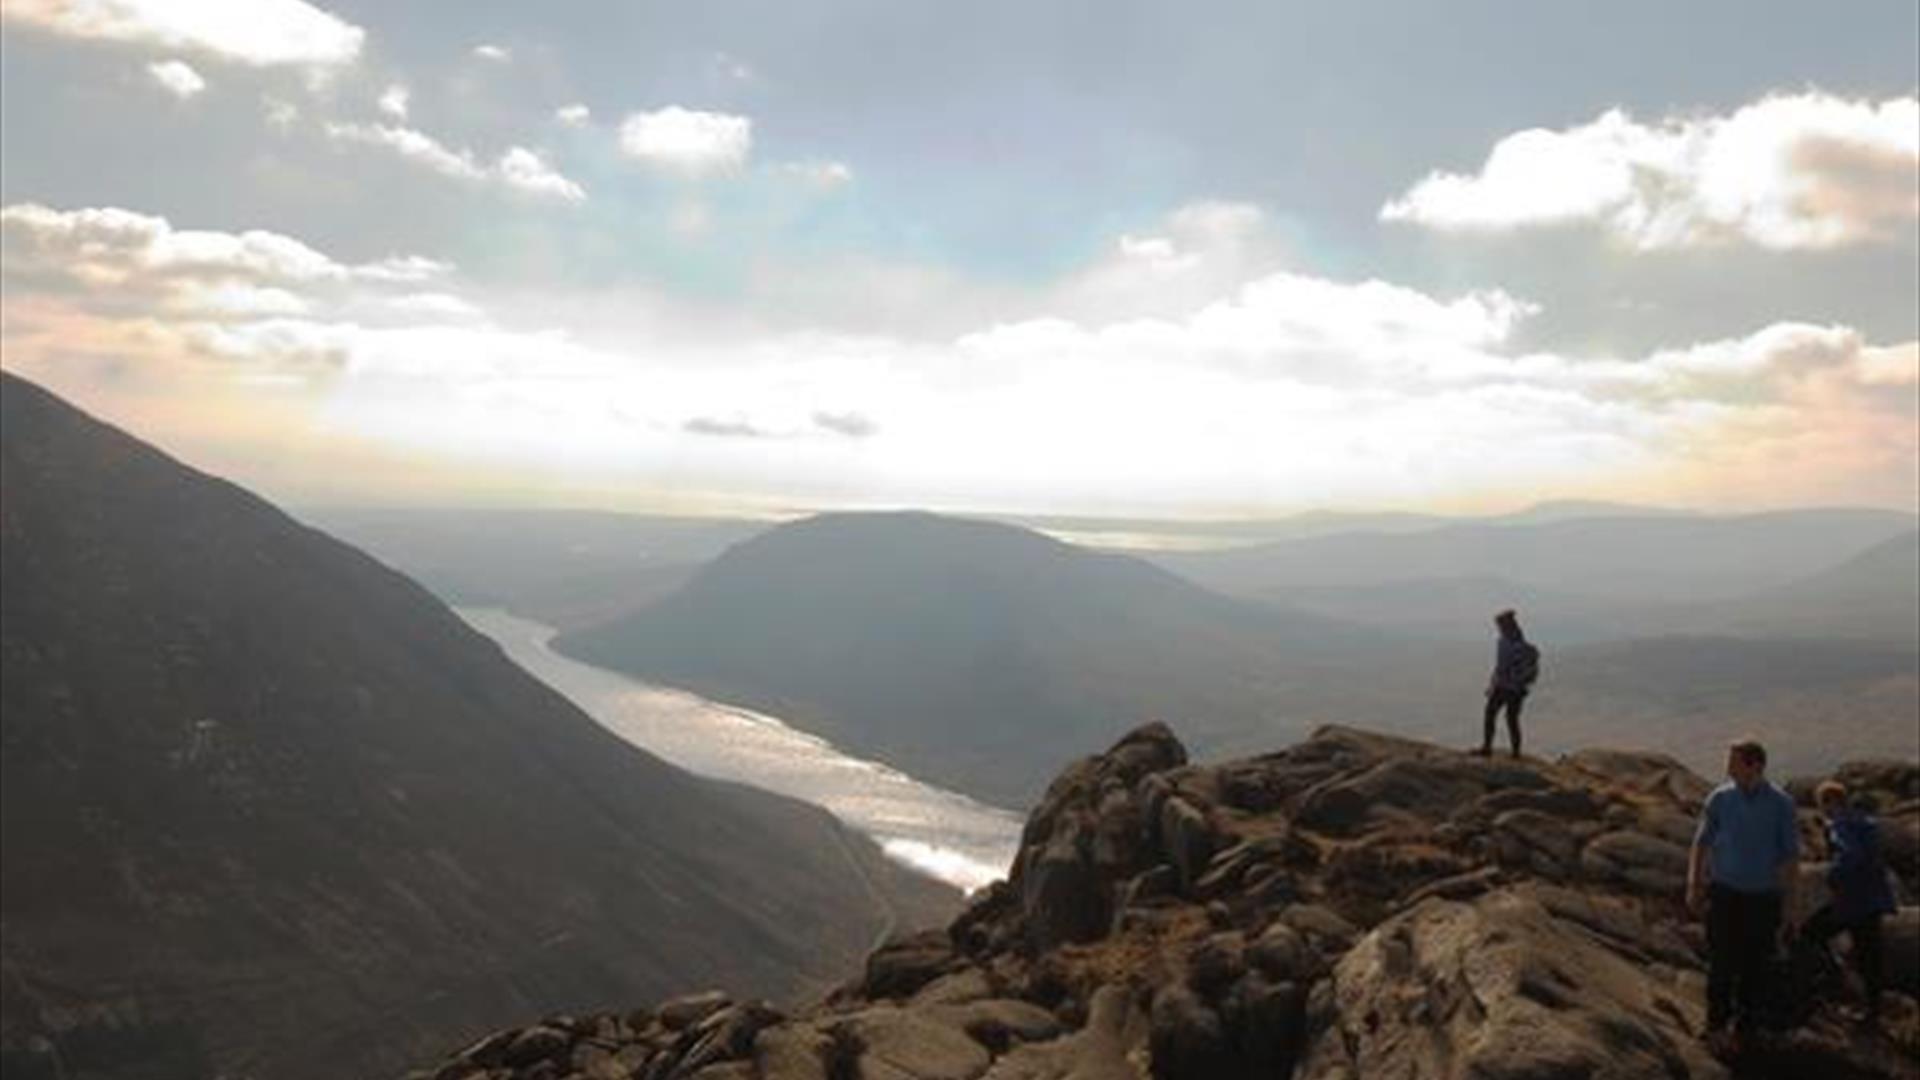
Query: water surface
[(943, 833)]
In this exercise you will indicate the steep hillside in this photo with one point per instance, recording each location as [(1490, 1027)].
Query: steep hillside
[(1354, 906), (270, 810), (969, 653)]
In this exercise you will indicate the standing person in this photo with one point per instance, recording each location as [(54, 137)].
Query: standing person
[(1858, 880), (1741, 874), (1516, 664)]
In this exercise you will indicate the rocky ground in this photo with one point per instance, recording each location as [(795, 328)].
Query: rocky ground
[(1355, 907)]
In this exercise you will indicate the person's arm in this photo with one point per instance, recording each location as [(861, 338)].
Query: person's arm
[(1788, 841), (1697, 869), (1699, 860)]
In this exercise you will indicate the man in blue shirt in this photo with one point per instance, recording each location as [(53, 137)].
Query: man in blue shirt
[(1742, 875)]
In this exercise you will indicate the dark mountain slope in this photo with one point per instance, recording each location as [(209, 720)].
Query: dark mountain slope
[(269, 809), (971, 653)]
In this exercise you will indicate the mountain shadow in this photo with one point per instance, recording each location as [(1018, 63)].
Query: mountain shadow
[(271, 810)]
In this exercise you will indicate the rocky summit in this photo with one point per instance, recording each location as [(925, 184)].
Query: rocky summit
[(1354, 907)]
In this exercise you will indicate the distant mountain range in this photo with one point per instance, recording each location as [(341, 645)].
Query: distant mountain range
[(1664, 559), (269, 809), (977, 654)]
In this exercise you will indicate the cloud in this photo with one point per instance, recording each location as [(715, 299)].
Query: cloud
[(393, 101), (517, 168), (575, 115), (110, 247), (819, 175), (260, 33), (279, 114), (688, 141), (415, 146), (1285, 389), (522, 169), (177, 77), (498, 54), (851, 424), (436, 304), (1790, 172), (727, 66), (725, 428), (140, 262)]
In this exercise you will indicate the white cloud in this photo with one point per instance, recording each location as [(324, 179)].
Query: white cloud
[(498, 54), (1803, 171), (279, 114), (687, 140), (177, 77), (442, 305), (523, 170), (819, 175), (415, 146), (394, 101), (115, 249), (575, 115), (259, 32), (517, 168), (728, 66), (1287, 388), (1195, 255), (404, 269)]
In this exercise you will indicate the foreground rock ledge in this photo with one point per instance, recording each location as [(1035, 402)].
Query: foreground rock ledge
[(1355, 907)]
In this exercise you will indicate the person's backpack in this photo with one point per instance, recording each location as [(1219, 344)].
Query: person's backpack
[(1526, 664)]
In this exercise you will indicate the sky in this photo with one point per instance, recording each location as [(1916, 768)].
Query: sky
[(1202, 260)]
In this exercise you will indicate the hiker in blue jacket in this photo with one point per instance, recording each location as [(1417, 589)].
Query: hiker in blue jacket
[(1516, 664), (1742, 875), (1857, 878)]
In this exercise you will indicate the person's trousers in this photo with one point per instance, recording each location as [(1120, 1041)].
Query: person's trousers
[(1510, 700), (1865, 935), (1742, 929)]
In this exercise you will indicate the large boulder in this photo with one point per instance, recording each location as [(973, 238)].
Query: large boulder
[(1102, 822), (1500, 987)]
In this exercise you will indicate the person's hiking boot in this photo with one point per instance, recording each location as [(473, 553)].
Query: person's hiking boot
[(1485, 751)]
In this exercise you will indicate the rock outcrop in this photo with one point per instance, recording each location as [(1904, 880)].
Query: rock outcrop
[(1355, 906)]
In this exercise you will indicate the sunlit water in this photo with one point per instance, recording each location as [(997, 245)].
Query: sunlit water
[(942, 833)]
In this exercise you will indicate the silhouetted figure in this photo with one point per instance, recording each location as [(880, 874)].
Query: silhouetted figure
[(1516, 664), (1857, 878), (1741, 875)]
